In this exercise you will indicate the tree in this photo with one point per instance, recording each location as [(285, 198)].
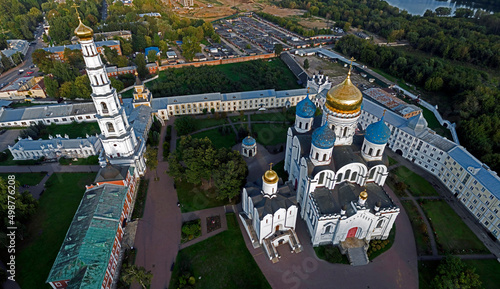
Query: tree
[(151, 157), (190, 46), (229, 177), (184, 125), (17, 58), (152, 56), (66, 89), (306, 64), (3, 42), (175, 168), (42, 59), (140, 62), (278, 48), (51, 86), (6, 63), (81, 87), (117, 84), (132, 274), (454, 273)]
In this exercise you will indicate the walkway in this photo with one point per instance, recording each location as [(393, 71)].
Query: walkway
[(50, 168), (159, 230), (203, 215)]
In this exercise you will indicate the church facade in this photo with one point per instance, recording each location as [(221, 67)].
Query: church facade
[(338, 173)]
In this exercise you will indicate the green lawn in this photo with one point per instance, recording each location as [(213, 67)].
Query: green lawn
[(391, 161), (487, 270), (194, 198), (140, 200), (434, 124), (222, 261), (218, 140), (129, 93), (268, 116), (331, 254), (270, 134), (419, 229), (30, 179), (8, 160), (48, 227), (73, 130), (417, 185), (456, 238), (92, 160), (201, 123)]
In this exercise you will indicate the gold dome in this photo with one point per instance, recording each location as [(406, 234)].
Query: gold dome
[(363, 195), (83, 32), (344, 97), (270, 176)]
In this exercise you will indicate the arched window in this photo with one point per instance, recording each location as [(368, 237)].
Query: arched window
[(317, 156), (372, 173), (102, 78), (364, 148), (354, 175), (339, 177), (104, 107), (300, 124), (96, 81), (378, 152), (379, 224), (345, 132), (324, 157), (321, 178), (110, 126), (307, 125), (370, 151), (328, 229), (347, 174)]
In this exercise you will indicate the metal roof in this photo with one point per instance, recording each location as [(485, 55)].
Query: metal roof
[(90, 237)]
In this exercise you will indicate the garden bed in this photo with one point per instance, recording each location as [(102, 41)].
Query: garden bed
[(213, 223), (190, 230)]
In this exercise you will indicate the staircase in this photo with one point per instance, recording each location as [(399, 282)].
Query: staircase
[(357, 256), (272, 253), (294, 241), (247, 222)]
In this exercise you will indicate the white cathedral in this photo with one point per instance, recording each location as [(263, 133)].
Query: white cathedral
[(120, 144)]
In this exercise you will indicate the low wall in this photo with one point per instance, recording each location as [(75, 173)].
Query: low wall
[(220, 61)]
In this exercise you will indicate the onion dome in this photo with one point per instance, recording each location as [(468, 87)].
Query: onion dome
[(83, 32), (270, 176), (344, 97), (363, 195), (323, 137), (417, 122), (248, 141), (305, 108), (378, 132)]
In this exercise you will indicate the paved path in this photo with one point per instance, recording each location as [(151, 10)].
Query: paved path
[(463, 257), (36, 191), (457, 206), (202, 215), (159, 230), (258, 165), (50, 168), (396, 268)]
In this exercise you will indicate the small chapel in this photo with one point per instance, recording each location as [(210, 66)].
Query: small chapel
[(338, 172)]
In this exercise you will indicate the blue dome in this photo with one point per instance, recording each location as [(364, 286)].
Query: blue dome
[(249, 141), (305, 108), (323, 137), (378, 132)]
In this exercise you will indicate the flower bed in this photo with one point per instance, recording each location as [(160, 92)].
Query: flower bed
[(213, 223)]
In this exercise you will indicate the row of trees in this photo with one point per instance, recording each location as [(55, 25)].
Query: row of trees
[(221, 168), (18, 18), (464, 92)]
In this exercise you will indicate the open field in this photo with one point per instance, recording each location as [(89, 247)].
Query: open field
[(222, 261)]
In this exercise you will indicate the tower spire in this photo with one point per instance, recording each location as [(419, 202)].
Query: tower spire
[(350, 67)]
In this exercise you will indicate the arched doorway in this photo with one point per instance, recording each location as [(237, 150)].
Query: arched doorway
[(399, 152), (352, 232)]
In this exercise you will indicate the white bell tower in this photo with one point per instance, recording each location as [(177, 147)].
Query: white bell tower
[(118, 137)]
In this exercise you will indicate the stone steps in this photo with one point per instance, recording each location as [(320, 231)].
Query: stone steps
[(357, 256)]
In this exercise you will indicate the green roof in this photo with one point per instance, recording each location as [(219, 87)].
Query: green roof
[(85, 252)]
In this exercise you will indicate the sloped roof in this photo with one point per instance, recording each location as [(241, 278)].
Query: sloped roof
[(285, 198), (90, 237)]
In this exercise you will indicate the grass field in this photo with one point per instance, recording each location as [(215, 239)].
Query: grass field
[(194, 198), (30, 179), (270, 134), (218, 140), (268, 117), (419, 229), (92, 160), (73, 130), (456, 238), (222, 261), (201, 123), (392, 161), (417, 185), (48, 227)]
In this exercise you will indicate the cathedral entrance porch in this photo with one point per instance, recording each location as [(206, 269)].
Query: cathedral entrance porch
[(356, 250)]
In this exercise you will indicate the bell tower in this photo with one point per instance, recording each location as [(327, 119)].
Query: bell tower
[(117, 136)]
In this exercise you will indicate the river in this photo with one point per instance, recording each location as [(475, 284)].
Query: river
[(418, 7)]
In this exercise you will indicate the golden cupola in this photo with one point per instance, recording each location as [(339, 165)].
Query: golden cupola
[(344, 97), (270, 176), (83, 32)]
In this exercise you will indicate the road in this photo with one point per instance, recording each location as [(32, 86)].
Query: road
[(13, 74)]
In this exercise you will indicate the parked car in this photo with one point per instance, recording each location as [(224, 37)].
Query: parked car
[(21, 71), (30, 72)]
